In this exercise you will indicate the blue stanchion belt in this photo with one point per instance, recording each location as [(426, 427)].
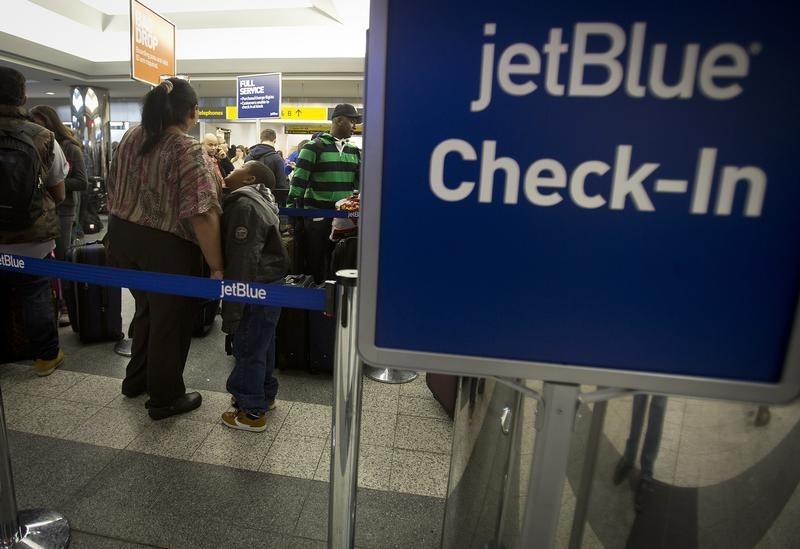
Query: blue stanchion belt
[(315, 212), (275, 294)]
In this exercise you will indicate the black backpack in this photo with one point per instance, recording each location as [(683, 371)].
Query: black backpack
[(22, 179)]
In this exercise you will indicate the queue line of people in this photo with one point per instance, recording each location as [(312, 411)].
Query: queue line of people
[(167, 214)]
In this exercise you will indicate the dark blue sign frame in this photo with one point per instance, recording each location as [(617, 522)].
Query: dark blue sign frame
[(625, 218), (258, 95)]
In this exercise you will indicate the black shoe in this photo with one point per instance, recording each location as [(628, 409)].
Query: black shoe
[(621, 471), (184, 403)]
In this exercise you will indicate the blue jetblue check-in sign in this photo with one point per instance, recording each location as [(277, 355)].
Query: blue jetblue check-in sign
[(259, 95), (608, 196)]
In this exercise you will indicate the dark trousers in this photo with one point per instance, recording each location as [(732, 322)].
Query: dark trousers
[(652, 437), (162, 323), (317, 248), (251, 382), (27, 325)]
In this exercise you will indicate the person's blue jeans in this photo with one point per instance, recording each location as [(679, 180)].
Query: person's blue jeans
[(251, 382), (27, 323), (652, 438)]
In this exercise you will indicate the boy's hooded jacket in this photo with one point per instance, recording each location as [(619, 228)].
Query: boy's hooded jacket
[(252, 243)]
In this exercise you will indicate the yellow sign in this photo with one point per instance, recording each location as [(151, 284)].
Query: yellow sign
[(231, 113), (152, 45), (304, 113)]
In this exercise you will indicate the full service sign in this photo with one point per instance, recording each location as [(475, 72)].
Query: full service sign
[(259, 95), (152, 45), (609, 195)]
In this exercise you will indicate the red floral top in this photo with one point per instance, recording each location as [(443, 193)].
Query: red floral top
[(165, 187)]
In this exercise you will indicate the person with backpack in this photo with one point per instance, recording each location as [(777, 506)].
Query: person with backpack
[(75, 184), (32, 171), (265, 153)]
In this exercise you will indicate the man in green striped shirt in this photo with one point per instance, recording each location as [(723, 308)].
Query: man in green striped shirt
[(327, 170)]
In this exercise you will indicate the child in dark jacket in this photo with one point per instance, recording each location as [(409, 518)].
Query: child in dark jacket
[(254, 252)]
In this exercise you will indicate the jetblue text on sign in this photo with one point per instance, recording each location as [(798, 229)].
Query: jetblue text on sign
[(608, 190)]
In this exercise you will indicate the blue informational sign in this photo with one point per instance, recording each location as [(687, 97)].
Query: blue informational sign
[(259, 95), (605, 193)]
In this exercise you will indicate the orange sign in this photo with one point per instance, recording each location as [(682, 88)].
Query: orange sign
[(152, 45)]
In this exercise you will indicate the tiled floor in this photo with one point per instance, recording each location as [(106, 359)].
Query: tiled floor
[(81, 448)]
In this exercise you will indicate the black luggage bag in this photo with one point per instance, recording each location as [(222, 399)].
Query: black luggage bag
[(291, 335), (445, 389), (95, 312)]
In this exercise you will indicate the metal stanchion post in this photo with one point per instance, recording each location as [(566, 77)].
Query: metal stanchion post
[(389, 375), (554, 423), (32, 528), (346, 416)]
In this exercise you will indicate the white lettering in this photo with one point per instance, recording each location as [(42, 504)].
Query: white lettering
[(578, 181), (709, 70), (534, 180), (624, 184), (597, 49), (608, 59), (731, 175), (489, 165), (436, 173), (8, 260)]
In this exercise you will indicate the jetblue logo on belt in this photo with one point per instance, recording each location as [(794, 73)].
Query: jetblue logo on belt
[(8, 260), (241, 289)]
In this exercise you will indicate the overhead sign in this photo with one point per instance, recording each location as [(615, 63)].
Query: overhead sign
[(259, 95), (211, 113), (298, 112), (608, 196), (152, 45)]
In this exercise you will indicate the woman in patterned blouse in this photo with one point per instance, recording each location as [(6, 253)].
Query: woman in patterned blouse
[(164, 216)]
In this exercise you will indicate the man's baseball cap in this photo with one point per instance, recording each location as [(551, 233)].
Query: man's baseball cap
[(348, 110)]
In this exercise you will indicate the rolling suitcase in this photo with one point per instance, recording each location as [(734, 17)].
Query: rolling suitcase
[(321, 341), (445, 389), (291, 335), (95, 312), (208, 310)]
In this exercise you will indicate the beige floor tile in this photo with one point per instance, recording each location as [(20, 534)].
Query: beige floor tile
[(52, 385), (313, 420), (51, 417), (380, 396), (214, 404), (123, 402), (415, 388), (16, 404), (11, 374), (378, 428), (420, 473), (424, 434), (422, 407), (374, 466), (97, 390), (172, 437), (239, 449), (294, 456), (111, 427)]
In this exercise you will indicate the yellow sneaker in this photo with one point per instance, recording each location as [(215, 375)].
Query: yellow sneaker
[(47, 367), (239, 419)]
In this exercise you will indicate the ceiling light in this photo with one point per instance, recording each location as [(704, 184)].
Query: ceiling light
[(49, 93)]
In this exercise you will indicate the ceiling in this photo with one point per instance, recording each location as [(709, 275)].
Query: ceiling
[(317, 45)]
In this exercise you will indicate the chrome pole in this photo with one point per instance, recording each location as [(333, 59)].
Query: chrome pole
[(34, 528), (346, 416), (554, 422), (9, 527)]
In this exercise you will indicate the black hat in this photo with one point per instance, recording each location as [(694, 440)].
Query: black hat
[(348, 110)]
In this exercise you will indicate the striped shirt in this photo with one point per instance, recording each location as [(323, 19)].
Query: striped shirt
[(324, 173)]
